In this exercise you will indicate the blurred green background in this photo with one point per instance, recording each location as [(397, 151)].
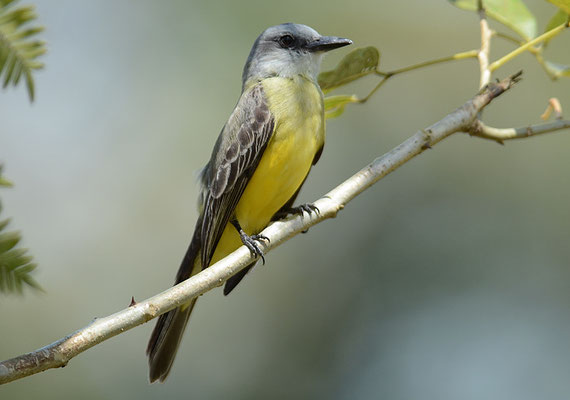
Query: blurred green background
[(450, 279)]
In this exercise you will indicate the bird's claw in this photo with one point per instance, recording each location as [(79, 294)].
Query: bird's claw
[(252, 243), (308, 208)]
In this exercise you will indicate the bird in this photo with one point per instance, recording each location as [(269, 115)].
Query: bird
[(259, 162)]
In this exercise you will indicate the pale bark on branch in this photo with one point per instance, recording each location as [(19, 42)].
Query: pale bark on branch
[(478, 128), (483, 54), (58, 354)]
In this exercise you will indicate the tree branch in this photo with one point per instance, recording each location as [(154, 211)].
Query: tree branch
[(483, 54), (59, 353), (481, 130)]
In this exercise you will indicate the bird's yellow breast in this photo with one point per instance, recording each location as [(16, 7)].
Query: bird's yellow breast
[(297, 106)]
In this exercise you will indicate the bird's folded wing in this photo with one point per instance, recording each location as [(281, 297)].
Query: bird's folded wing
[(237, 153)]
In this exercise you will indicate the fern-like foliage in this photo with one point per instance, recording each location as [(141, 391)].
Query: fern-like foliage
[(15, 264), (18, 50)]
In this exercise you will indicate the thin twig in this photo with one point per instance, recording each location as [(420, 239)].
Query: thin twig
[(527, 46), (553, 106), (483, 54), (481, 130), (458, 56), (534, 50), (60, 352), (387, 75), (378, 86)]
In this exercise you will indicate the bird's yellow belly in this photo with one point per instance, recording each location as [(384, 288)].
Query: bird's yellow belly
[(285, 164), (299, 134)]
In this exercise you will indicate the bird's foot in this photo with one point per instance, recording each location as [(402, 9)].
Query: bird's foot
[(308, 208), (252, 242)]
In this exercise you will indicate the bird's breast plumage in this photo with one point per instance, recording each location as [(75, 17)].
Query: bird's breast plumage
[(297, 107)]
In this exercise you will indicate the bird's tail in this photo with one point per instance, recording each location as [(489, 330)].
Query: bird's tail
[(165, 340), (167, 333)]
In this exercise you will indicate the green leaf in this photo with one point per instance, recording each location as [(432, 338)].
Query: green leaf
[(557, 19), (511, 13), (8, 241), (354, 65), (18, 49), (15, 264), (556, 70), (334, 105), (4, 223), (3, 181), (4, 3), (562, 4)]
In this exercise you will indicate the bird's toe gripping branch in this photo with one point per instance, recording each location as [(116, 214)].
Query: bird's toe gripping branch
[(301, 209), (251, 242)]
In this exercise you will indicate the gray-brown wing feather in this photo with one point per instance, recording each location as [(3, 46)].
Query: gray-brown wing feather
[(235, 157)]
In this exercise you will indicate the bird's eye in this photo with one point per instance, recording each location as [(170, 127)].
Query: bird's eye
[(286, 41)]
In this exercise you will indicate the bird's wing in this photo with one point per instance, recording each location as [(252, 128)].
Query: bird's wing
[(234, 159)]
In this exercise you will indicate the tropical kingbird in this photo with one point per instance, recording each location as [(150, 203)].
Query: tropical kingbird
[(259, 163)]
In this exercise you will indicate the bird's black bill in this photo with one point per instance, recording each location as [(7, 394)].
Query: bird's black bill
[(326, 43)]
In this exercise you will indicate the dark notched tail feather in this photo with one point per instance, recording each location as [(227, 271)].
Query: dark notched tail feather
[(167, 333), (169, 329), (232, 282), (165, 340)]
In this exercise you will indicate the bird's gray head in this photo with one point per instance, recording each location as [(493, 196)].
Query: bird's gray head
[(287, 50)]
